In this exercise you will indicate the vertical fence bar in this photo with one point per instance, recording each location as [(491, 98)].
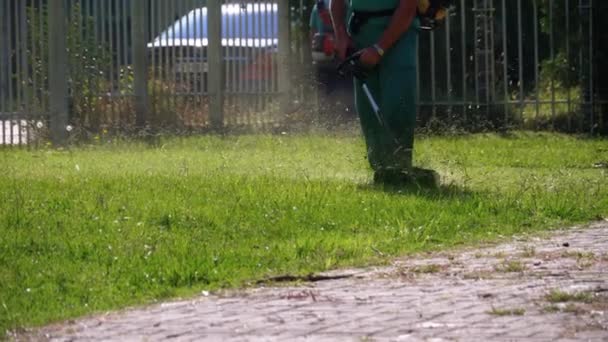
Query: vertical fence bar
[(189, 58), (569, 63), (173, 58), (23, 36), (109, 117), (180, 64), (110, 19), (216, 100), (43, 62), (4, 56), (258, 46), (33, 54), (18, 59), (463, 28), (266, 36), (581, 67), (520, 38), (58, 85), (275, 65), (120, 64), (202, 58), (552, 52), (24, 74), (591, 69), (536, 61), (491, 53), (4, 70), (477, 40), (125, 65), (83, 35), (250, 24), (230, 56), (163, 50), (166, 48), (10, 67), (284, 52), (140, 61), (433, 77), (154, 57), (241, 58), (418, 72), (448, 54), (17, 71), (505, 62)]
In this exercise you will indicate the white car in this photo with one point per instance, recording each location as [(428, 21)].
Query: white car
[(249, 41)]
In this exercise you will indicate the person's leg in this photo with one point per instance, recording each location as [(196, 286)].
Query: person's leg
[(398, 107), (372, 130)]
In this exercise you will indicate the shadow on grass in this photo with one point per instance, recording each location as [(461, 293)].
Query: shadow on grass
[(442, 192)]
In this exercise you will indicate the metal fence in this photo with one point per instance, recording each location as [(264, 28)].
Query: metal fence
[(514, 63), (92, 66)]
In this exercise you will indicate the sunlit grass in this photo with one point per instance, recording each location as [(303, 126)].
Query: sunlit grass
[(102, 227)]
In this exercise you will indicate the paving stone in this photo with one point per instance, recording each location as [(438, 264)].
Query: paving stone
[(392, 303)]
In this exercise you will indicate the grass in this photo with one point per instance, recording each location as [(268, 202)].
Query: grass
[(507, 312), (528, 252), (557, 296), (511, 266), (96, 228), (427, 269), (569, 308)]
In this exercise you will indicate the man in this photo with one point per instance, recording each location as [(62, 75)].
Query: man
[(335, 93), (385, 32), (320, 19)]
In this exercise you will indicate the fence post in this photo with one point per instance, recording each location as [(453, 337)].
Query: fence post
[(4, 52), (284, 55), (140, 61), (215, 64), (586, 64), (484, 52), (58, 69)]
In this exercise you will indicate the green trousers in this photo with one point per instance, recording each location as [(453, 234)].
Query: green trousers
[(393, 85)]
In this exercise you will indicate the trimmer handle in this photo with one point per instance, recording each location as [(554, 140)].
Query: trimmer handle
[(351, 65)]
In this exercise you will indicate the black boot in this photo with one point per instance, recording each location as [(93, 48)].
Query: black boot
[(425, 178), (401, 178)]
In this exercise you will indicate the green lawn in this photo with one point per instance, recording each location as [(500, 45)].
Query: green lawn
[(102, 227)]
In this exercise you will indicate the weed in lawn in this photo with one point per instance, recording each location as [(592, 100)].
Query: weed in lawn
[(507, 312), (510, 266), (135, 224), (427, 269), (584, 260), (528, 252), (565, 308), (479, 275), (499, 255), (551, 309), (579, 255), (557, 296)]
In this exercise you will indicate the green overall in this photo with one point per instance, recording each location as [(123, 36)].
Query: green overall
[(393, 85)]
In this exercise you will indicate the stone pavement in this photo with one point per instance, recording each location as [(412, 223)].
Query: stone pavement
[(533, 289)]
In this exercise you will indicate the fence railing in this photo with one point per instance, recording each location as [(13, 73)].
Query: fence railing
[(90, 66)]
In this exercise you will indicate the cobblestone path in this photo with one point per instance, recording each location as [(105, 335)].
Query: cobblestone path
[(538, 289)]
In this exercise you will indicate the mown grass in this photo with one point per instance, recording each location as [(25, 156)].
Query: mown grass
[(96, 228)]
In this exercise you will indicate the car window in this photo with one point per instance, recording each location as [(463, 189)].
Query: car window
[(257, 23)]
